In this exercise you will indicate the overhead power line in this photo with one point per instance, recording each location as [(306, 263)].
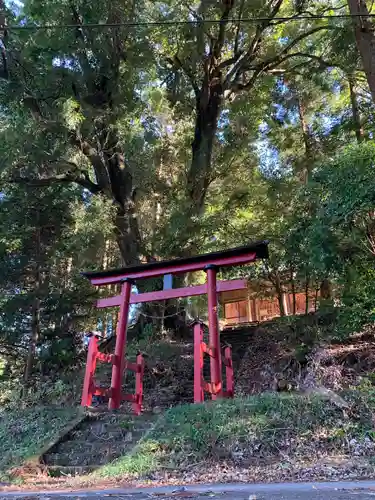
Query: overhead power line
[(135, 24)]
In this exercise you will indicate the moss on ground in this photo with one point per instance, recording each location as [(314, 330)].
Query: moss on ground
[(25, 432), (263, 427)]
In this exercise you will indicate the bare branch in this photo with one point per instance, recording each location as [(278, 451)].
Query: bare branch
[(301, 37), (272, 64), (272, 68), (319, 59)]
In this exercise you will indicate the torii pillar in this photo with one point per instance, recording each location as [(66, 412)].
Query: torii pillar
[(214, 332)]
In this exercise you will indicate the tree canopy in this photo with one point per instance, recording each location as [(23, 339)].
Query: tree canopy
[(133, 131)]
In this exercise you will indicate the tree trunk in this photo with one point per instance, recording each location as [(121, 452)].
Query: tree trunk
[(121, 184), (35, 334), (127, 234), (280, 294), (355, 109), (207, 115), (115, 182), (326, 289), (293, 287), (307, 139), (35, 309), (3, 35), (307, 296), (365, 39)]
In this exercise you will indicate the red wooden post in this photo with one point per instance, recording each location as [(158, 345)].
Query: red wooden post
[(137, 406), (214, 334), (119, 357), (88, 384), (198, 363), (229, 372)]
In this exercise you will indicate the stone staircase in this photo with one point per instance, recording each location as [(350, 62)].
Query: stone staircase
[(239, 338), (165, 391), (104, 436), (99, 439)]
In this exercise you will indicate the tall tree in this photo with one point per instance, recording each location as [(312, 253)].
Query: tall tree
[(76, 92), (224, 59)]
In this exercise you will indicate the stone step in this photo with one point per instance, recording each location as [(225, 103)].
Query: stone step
[(84, 459), (74, 470), (100, 440), (100, 434), (124, 442)]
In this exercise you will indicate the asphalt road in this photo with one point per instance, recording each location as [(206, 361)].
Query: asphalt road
[(332, 495), (297, 491)]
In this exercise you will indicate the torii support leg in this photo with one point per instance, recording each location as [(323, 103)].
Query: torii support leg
[(119, 357), (198, 363), (88, 384), (214, 334)]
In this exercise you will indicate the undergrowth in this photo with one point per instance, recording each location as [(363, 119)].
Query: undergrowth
[(262, 427), (24, 432)]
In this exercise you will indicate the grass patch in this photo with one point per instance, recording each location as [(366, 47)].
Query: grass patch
[(262, 427), (24, 433)]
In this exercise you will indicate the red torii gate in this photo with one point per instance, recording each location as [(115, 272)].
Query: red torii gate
[(210, 263)]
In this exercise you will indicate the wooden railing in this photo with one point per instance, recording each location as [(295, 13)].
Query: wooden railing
[(90, 388), (201, 385)]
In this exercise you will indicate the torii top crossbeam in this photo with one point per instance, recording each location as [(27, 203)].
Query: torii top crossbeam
[(225, 258)]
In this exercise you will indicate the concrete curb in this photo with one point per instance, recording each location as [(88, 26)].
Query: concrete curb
[(204, 488)]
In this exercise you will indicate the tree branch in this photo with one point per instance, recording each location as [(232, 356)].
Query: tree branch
[(236, 40), (4, 73), (322, 62), (228, 7), (301, 37), (91, 153), (178, 64), (83, 181), (318, 59), (280, 58), (228, 62), (251, 51)]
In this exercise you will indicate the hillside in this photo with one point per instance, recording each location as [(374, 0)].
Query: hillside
[(299, 395)]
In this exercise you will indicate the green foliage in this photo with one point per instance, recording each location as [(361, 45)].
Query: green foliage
[(24, 433), (336, 234), (41, 255), (263, 425), (97, 143), (64, 390), (358, 306)]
